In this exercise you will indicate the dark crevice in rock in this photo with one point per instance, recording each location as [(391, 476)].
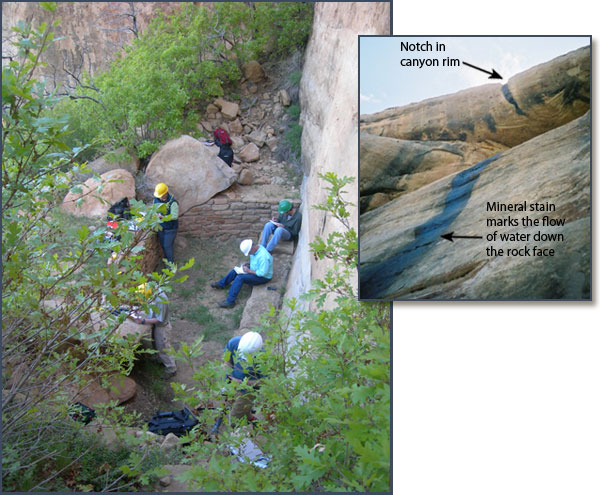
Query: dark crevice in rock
[(511, 99)]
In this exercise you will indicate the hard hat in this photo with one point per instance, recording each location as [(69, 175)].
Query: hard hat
[(284, 206), (144, 289), (246, 246), (250, 342), (160, 190)]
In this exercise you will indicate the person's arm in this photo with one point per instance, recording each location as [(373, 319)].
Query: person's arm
[(174, 210)]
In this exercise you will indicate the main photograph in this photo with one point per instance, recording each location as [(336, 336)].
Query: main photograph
[(179, 250)]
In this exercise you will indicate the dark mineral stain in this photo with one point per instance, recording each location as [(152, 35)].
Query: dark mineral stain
[(376, 279), (510, 98), (491, 123)]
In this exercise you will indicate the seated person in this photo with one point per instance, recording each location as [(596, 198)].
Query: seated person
[(285, 227), (258, 271)]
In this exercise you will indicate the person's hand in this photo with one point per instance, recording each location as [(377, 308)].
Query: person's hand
[(245, 268)]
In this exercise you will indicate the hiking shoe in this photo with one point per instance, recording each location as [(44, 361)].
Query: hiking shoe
[(225, 304), (215, 285), (170, 372)]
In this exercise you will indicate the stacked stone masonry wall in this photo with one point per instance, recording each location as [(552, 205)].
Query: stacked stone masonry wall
[(222, 218)]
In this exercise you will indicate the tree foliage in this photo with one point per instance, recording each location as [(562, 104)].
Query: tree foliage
[(57, 289), (156, 87), (326, 400)]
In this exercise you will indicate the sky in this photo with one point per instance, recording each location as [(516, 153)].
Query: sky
[(384, 83)]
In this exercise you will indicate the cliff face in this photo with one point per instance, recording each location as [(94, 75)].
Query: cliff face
[(523, 144), (329, 100), (93, 31)]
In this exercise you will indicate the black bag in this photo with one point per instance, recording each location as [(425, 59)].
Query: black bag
[(81, 412), (120, 210), (226, 154), (176, 422)]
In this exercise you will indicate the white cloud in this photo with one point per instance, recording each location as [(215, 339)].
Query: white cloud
[(370, 98)]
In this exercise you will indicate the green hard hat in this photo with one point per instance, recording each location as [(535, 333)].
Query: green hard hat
[(284, 206)]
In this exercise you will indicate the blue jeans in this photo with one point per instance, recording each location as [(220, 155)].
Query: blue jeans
[(166, 239), (279, 233), (238, 280)]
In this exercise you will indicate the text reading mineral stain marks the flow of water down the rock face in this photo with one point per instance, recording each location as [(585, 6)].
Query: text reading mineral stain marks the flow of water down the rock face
[(529, 242), (438, 61)]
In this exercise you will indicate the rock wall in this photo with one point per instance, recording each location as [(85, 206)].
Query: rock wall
[(329, 101), (93, 31), (224, 218)]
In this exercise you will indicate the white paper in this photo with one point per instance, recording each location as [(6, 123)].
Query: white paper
[(239, 269)]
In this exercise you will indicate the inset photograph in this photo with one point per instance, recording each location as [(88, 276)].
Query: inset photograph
[(475, 168)]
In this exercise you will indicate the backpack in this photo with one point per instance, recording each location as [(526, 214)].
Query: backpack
[(226, 154), (120, 210), (81, 412), (221, 136), (176, 422)]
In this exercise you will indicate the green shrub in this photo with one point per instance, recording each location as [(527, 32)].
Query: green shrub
[(326, 397), (176, 67), (55, 278)]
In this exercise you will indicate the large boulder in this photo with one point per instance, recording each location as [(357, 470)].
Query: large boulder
[(403, 256), (539, 99), (115, 184), (100, 390), (193, 171)]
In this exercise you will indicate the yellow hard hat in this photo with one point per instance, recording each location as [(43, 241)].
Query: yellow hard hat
[(160, 190), (144, 289)]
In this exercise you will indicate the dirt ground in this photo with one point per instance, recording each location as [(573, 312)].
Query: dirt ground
[(194, 312)]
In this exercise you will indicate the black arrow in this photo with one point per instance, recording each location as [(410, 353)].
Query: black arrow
[(493, 74), (451, 236)]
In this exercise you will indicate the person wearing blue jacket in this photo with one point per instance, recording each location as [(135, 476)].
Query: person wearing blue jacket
[(258, 271)]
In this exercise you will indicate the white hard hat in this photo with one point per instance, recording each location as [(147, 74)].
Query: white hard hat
[(250, 342), (245, 246)]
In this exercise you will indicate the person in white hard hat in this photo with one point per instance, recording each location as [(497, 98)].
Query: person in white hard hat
[(239, 354), (258, 271)]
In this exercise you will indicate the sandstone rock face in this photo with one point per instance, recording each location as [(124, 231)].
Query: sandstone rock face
[(249, 153), (403, 256), (229, 109), (330, 115), (529, 104), (117, 184), (193, 171), (95, 31), (253, 71), (392, 167)]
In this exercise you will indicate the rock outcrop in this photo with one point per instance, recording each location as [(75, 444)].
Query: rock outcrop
[(391, 167), (330, 119), (529, 104), (397, 157), (403, 256), (193, 171), (115, 185)]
